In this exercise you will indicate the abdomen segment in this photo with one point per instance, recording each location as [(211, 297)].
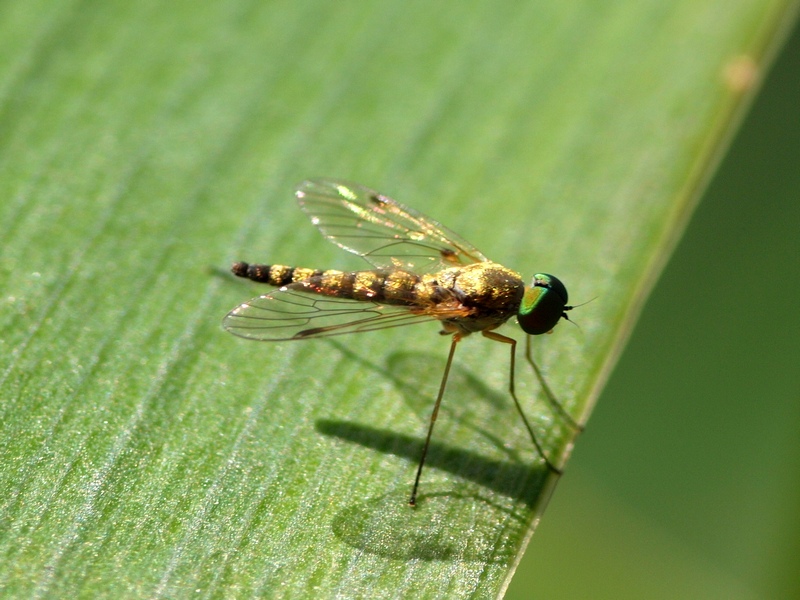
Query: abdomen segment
[(390, 287)]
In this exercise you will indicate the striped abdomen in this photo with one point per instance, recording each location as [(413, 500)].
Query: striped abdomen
[(390, 287)]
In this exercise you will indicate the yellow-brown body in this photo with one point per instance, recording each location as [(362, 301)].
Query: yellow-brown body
[(466, 299)]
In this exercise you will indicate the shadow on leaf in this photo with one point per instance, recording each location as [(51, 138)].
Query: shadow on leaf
[(406, 371), (388, 527), (523, 482)]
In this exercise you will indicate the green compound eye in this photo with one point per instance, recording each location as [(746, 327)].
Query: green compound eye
[(544, 303)]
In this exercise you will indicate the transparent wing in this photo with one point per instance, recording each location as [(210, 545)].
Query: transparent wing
[(384, 232), (292, 314)]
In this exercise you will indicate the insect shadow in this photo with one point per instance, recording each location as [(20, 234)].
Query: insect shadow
[(382, 526), (520, 477)]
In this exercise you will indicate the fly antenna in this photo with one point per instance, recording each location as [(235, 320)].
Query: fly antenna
[(565, 316)]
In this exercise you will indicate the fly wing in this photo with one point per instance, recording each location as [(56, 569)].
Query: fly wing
[(381, 230), (290, 313)]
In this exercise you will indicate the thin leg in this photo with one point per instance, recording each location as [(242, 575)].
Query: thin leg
[(551, 398), (507, 340), (456, 338)]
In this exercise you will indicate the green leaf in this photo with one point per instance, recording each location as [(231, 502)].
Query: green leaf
[(146, 453)]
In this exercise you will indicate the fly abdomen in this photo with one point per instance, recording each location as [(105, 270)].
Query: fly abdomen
[(390, 287), (277, 275)]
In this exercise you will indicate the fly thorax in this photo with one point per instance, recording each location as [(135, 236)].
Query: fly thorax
[(489, 286)]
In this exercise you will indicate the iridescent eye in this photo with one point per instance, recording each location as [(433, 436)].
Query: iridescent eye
[(543, 304)]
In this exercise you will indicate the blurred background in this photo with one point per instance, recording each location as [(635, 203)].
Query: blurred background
[(686, 483)]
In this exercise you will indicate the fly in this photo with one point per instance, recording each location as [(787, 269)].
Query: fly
[(422, 271)]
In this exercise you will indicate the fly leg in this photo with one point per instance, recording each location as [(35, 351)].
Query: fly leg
[(507, 340), (551, 398), (456, 338)]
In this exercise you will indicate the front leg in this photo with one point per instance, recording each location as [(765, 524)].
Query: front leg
[(493, 335)]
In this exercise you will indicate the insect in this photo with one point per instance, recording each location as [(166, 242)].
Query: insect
[(422, 271)]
